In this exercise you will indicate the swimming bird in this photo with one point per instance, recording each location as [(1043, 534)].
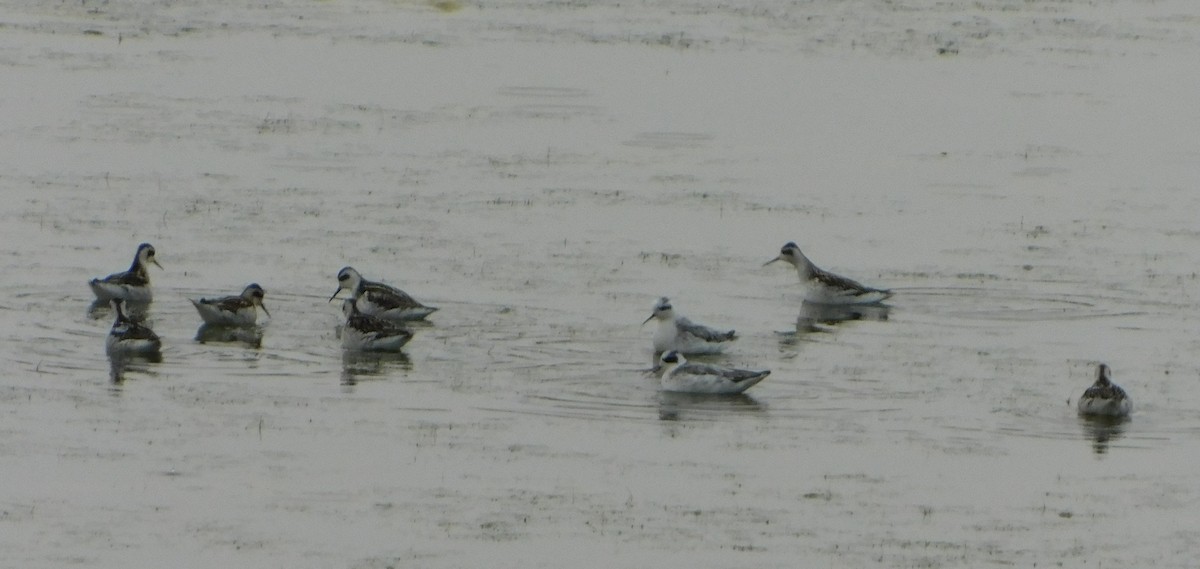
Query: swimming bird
[(378, 299), (682, 335), (1105, 398), (685, 377), (825, 287), (132, 285), (129, 338), (367, 333), (238, 310)]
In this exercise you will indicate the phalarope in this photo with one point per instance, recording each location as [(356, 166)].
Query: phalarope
[(685, 377), (232, 310), (367, 333), (825, 287), (682, 335), (1104, 397), (132, 285), (377, 299), (128, 337)]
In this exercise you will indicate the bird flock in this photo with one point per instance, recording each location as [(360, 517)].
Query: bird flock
[(375, 314)]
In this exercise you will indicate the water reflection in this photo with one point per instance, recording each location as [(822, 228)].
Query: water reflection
[(673, 406), (1102, 430), (357, 366), (812, 314), (134, 310), (250, 335), (120, 364)]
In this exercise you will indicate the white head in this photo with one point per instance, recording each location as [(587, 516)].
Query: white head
[(790, 253), (348, 279), (254, 294), (145, 255), (662, 311)]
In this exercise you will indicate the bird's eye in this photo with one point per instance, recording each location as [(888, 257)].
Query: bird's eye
[(343, 277)]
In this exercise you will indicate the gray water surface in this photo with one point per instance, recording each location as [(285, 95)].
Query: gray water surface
[(1023, 177)]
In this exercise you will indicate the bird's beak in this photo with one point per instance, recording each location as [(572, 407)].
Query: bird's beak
[(780, 258), (647, 320), (264, 307), (335, 293), (155, 261)]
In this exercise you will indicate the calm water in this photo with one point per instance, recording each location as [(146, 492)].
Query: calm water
[(1023, 178)]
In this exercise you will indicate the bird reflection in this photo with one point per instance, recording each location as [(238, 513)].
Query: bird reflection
[(119, 364), (812, 314), (1102, 430), (676, 406), (357, 366), (134, 310), (250, 335), (815, 318)]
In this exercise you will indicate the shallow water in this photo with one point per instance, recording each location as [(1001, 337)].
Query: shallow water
[(1021, 176)]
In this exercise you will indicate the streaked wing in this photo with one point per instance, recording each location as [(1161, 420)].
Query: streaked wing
[(706, 370), (839, 282), (1104, 392), (740, 375), (705, 333), (388, 298), (130, 278), (371, 325), (228, 303), (134, 331)]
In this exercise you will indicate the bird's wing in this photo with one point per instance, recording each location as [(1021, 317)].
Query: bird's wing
[(129, 278), (728, 374), (135, 331), (740, 375), (227, 303), (837, 281), (703, 332), (378, 326), (389, 297), (1104, 392)]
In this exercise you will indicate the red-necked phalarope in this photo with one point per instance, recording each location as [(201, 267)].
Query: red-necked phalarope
[(232, 310), (685, 377), (132, 285), (1104, 397), (128, 337), (825, 287), (366, 333), (682, 335), (378, 299)]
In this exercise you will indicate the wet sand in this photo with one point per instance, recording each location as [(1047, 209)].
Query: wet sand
[(1022, 176)]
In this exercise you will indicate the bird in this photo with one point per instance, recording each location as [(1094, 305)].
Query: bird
[(128, 337), (825, 287), (367, 333), (238, 310), (377, 299), (131, 285), (684, 377), (682, 335), (1105, 398)]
